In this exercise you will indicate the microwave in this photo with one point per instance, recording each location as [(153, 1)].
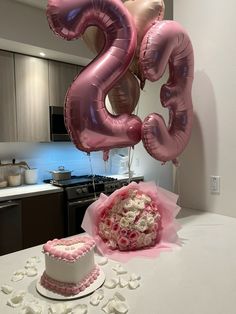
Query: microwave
[(58, 131)]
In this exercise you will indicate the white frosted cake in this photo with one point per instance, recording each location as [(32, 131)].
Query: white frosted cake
[(69, 265)]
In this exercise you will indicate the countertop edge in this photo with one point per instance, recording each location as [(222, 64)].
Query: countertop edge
[(28, 191)]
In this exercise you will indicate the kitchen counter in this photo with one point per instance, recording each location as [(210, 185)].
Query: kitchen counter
[(27, 190), (199, 277)]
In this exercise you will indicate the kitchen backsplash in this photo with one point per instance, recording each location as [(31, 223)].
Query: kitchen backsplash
[(49, 156)]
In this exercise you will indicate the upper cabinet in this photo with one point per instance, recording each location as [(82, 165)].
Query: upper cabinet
[(61, 75), (28, 85), (32, 95), (8, 131)]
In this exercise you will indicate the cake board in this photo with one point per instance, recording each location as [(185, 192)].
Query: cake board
[(55, 296)]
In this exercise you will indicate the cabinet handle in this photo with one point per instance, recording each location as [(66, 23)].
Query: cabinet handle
[(7, 205)]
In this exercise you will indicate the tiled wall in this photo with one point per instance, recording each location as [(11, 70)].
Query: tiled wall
[(48, 156)]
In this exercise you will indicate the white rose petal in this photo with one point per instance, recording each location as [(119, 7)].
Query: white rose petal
[(58, 308), (31, 272), (18, 275), (135, 277), (7, 289), (31, 308), (111, 283), (134, 284), (119, 269), (102, 261), (123, 283), (79, 309), (17, 299)]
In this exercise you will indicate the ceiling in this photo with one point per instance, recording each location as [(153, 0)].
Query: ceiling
[(35, 3)]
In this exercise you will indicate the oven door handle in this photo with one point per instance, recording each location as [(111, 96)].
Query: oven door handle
[(83, 202)]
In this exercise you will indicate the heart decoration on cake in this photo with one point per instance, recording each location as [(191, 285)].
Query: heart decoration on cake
[(69, 250), (135, 220)]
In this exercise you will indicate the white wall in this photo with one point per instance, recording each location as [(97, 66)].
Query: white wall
[(212, 151), (49, 156)]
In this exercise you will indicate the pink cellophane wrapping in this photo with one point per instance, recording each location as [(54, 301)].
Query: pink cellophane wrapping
[(168, 209)]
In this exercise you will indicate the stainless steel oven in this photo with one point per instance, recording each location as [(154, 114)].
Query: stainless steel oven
[(82, 191)]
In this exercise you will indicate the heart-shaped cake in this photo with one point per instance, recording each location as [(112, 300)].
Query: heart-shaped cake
[(69, 249)]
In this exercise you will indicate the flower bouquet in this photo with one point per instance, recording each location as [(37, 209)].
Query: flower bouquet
[(138, 219)]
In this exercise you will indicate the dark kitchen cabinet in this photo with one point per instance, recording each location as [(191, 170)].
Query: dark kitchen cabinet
[(10, 227), (31, 221), (61, 76), (8, 131), (42, 219)]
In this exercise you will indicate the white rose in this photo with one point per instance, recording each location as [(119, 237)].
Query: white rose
[(142, 225), (139, 203), (130, 216), (146, 198), (128, 204), (150, 220), (147, 239), (140, 240), (124, 222)]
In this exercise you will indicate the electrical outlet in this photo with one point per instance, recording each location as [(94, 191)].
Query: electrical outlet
[(215, 184)]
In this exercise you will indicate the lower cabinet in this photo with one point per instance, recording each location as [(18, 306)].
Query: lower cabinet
[(10, 227), (31, 221), (42, 219)]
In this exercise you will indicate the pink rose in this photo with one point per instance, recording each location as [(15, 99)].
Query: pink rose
[(115, 227), (123, 232), (123, 243), (133, 236), (108, 222)]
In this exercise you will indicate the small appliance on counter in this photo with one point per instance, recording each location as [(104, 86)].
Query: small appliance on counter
[(31, 176), (15, 174)]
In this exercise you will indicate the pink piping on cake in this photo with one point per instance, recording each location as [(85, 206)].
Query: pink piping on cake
[(69, 289), (50, 248)]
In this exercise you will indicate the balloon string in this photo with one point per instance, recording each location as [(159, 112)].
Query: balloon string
[(129, 165), (92, 174)]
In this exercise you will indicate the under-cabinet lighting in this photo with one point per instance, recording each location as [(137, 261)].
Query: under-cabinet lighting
[(42, 54)]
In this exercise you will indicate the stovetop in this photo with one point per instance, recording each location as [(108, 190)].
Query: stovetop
[(80, 180)]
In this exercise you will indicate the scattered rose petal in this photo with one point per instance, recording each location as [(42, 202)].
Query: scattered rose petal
[(17, 299), (123, 282), (118, 296), (120, 307), (114, 306), (111, 283), (34, 259), (58, 308), (119, 269), (96, 297), (18, 275), (32, 308), (29, 265), (31, 272), (134, 284), (7, 289), (79, 309), (102, 261), (135, 277)]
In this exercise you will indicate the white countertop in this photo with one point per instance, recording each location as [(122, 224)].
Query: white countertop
[(27, 190), (197, 278)]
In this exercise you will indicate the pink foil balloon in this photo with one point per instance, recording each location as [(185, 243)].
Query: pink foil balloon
[(166, 43), (90, 125), (125, 94)]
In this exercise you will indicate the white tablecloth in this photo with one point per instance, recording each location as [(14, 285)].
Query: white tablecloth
[(197, 278)]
